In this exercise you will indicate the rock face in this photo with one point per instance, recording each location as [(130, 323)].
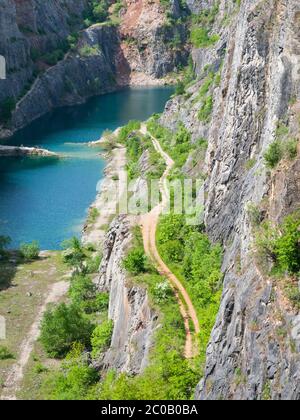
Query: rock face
[(152, 44), (25, 151), (33, 26), (43, 73), (253, 68), (73, 79), (129, 308), (253, 352)]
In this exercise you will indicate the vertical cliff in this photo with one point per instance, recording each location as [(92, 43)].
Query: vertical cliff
[(129, 306), (247, 87), (153, 38), (29, 28), (57, 56)]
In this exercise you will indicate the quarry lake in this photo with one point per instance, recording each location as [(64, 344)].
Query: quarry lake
[(47, 199)]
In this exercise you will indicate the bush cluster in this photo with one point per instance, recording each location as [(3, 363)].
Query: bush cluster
[(6, 109), (284, 147), (201, 36), (281, 244), (30, 251)]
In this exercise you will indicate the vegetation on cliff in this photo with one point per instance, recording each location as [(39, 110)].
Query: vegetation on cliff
[(277, 250)]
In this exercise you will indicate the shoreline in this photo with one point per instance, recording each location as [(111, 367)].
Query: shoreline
[(106, 202), (15, 151), (138, 80)]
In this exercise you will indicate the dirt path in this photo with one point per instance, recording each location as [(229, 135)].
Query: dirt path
[(149, 224), (14, 379)]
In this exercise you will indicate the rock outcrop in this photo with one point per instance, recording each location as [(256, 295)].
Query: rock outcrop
[(253, 352), (25, 151), (154, 40), (129, 307)]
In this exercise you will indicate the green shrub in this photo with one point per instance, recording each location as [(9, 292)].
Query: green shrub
[(102, 301), (93, 215), (173, 250), (287, 246), (265, 241), (200, 37), (88, 51), (254, 214), (74, 253), (135, 261), (291, 148), (280, 244), (250, 164), (61, 327), (93, 264), (206, 85), (83, 294), (180, 88), (127, 129), (170, 229), (206, 109), (183, 135), (73, 40), (34, 54), (100, 12), (6, 109), (5, 241), (53, 57), (187, 77), (30, 251), (282, 131), (293, 294), (73, 380), (40, 368), (101, 338), (162, 292), (5, 353), (82, 291), (274, 154)]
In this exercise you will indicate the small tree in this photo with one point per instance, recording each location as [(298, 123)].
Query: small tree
[(291, 148), (5, 353), (83, 293), (287, 246), (6, 109), (74, 254), (4, 243), (101, 337), (274, 154), (62, 327), (30, 251), (135, 262)]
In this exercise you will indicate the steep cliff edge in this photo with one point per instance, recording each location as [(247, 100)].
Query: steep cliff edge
[(247, 88), (129, 307), (154, 38)]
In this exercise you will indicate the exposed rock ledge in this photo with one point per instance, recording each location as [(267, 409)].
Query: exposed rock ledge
[(129, 307), (25, 151)]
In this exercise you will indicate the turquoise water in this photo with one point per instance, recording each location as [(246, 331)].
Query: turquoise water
[(47, 200)]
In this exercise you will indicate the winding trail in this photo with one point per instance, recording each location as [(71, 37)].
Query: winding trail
[(15, 377), (149, 223)]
